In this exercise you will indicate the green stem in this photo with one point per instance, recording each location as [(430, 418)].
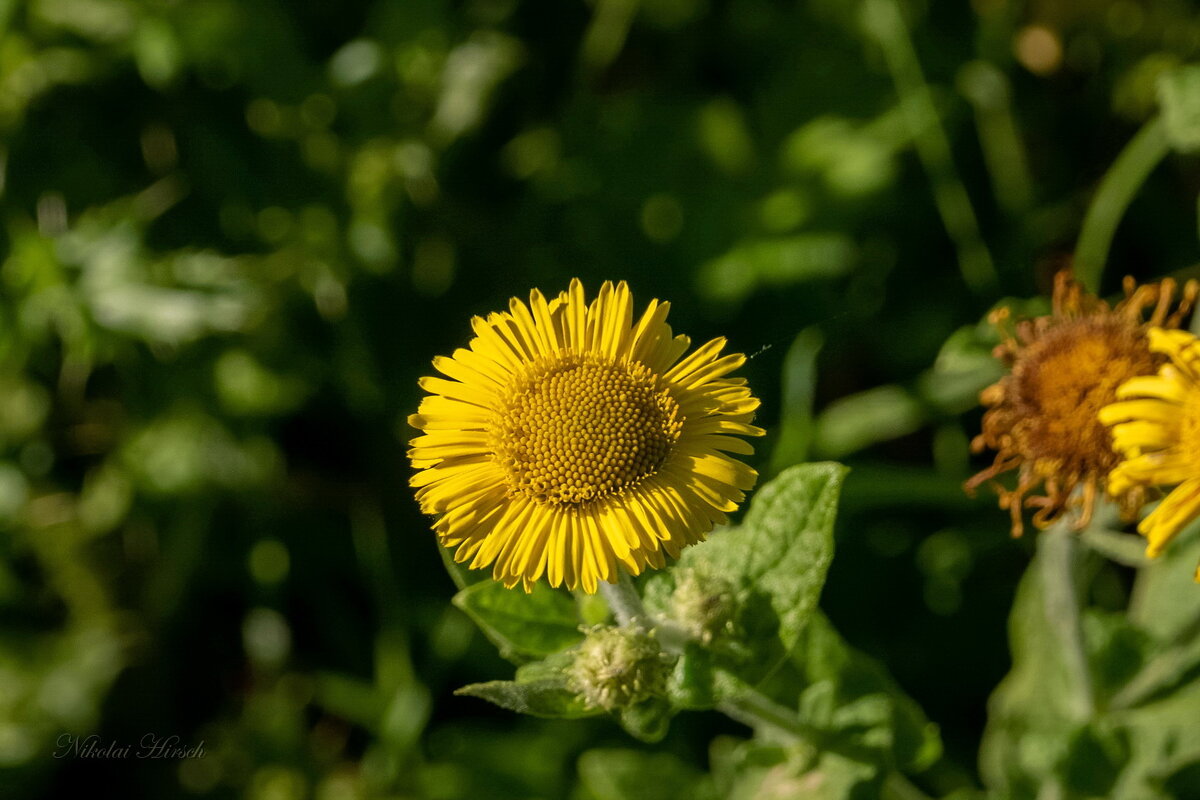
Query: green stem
[(1059, 554), (883, 20), (1122, 548), (756, 710), (987, 88), (1116, 192), (1163, 671)]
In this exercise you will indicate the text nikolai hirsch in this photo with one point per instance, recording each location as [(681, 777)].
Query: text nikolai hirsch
[(150, 746)]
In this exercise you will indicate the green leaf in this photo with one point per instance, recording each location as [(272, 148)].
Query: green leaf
[(776, 563), (1164, 742), (751, 770), (1179, 96), (1148, 704), (1030, 718), (776, 261), (785, 545), (1095, 758), (539, 689), (1116, 651), (537, 624), (612, 774), (647, 721), (692, 681), (1166, 605), (853, 698), (1167, 600)]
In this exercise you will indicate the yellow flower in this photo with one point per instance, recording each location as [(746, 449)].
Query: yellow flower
[(570, 439), (1156, 430), (1065, 367)]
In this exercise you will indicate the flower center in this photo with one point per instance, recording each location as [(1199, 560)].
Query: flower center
[(1063, 381), (576, 428)]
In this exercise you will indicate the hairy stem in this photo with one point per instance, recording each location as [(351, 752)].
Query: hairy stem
[(756, 710), (1059, 556), (624, 601)]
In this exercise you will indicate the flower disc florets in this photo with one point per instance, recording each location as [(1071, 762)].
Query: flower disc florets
[(1065, 367), (619, 667), (574, 440), (576, 428)]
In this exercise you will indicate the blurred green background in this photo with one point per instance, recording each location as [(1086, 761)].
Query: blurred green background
[(235, 232)]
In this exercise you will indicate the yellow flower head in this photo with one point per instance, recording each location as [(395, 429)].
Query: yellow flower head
[(1156, 429), (1064, 367), (571, 438)]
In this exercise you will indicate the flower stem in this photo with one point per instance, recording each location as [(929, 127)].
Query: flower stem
[(756, 710), (1123, 548), (624, 601), (1059, 552), (1117, 190), (883, 20)]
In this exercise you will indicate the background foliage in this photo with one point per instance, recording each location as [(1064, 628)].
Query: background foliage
[(235, 232)]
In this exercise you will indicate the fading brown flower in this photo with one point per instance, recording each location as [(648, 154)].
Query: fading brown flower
[(1063, 368)]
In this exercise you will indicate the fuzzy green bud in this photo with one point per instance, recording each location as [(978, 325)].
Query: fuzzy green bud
[(619, 667), (703, 605)]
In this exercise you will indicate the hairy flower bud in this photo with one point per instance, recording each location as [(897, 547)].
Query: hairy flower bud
[(703, 605), (619, 667)]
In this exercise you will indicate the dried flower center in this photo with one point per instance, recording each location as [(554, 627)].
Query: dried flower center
[(575, 428), (1063, 380)]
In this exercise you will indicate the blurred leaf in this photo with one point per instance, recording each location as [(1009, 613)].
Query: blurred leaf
[(852, 698), (1179, 96), (851, 160), (534, 625), (247, 387), (1095, 757), (795, 428), (1166, 606), (963, 368), (1030, 718), (759, 771), (724, 136), (612, 774), (1166, 603), (350, 698), (1116, 650), (861, 420), (774, 262), (647, 721)]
